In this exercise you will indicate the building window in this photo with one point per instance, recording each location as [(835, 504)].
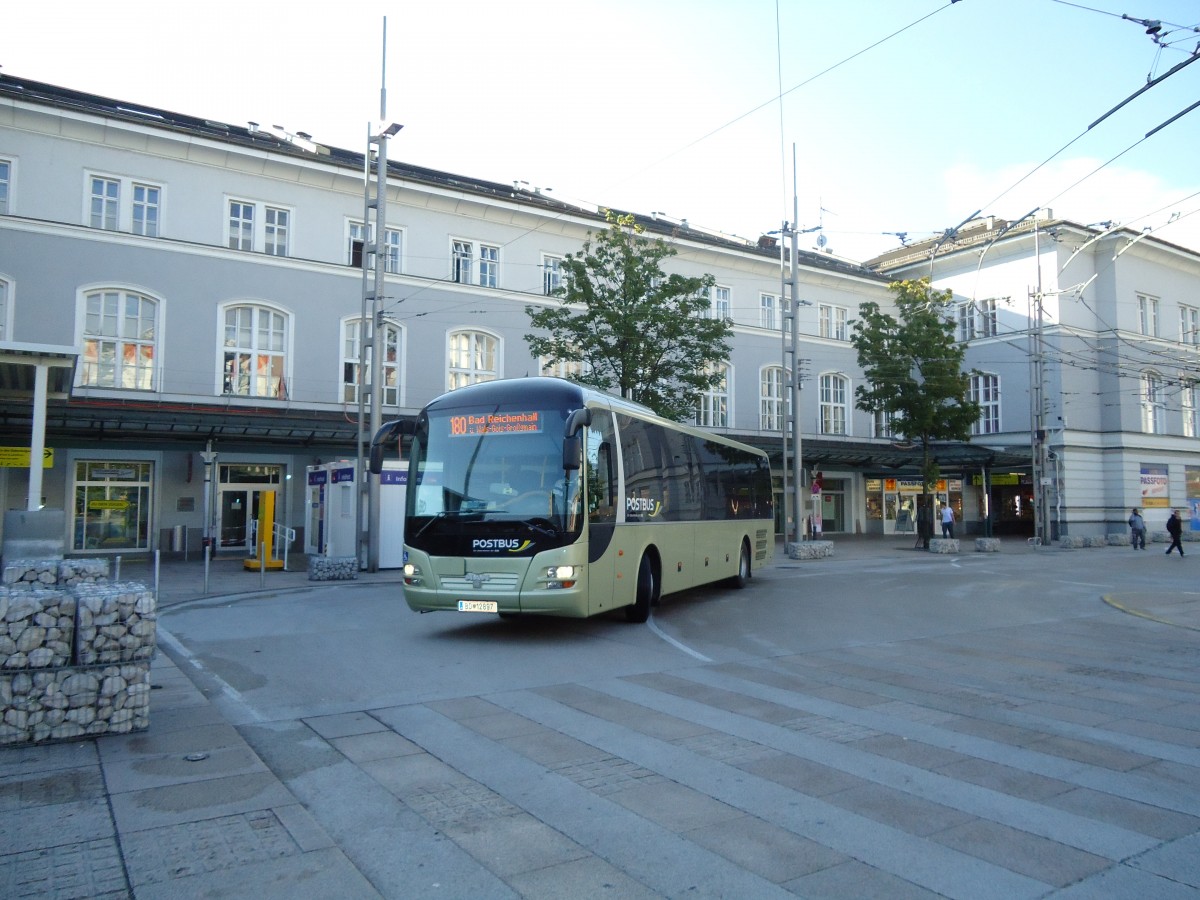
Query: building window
[(352, 331), (570, 369), (145, 210), (722, 305), (489, 266), (112, 505), (1189, 325), (712, 407), (768, 311), (6, 171), (552, 275), (392, 249), (985, 390), (275, 232), (1147, 315), (241, 225), (1191, 415), (460, 262), (106, 204), (774, 398), (977, 319), (884, 423), (464, 254), (117, 204), (474, 357), (834, 392), (4, 310), (255, 352), (833, 322), (1154, 412), (119, 340), (255, 225)]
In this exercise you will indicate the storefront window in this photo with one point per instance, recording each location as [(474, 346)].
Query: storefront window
[(112, 505)]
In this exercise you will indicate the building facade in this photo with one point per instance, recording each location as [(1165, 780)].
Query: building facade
[(1085, 346), (210, 280)]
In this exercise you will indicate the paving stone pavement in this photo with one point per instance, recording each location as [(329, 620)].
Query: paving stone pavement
[(1021, 764)]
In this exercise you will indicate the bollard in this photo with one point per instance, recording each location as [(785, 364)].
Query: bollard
[(207, 556), (157, 560), (117, 570)]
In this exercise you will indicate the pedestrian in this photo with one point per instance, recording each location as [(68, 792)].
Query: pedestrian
[(947, 520), (1137, 530), (1175, 530)]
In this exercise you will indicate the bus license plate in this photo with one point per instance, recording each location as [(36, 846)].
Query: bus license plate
[(477, 606)]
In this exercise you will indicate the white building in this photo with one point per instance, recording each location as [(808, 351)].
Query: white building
[(209, 279), (1087, 337)]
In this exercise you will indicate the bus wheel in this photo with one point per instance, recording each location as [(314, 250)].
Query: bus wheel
[(742, 578), (646, 590)]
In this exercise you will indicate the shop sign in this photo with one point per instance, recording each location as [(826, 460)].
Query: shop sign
[(1006, 478), (1155, 494), (18, 458), (108, 504)]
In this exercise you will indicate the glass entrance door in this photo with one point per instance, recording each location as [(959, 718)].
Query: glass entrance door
[(239, 490)]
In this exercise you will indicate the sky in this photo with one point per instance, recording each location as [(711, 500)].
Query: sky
[(898, 118)]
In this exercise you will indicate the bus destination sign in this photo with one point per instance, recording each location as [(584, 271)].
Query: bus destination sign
[(496, 423)]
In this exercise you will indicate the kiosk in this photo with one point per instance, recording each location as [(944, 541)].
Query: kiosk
[(331, 531)]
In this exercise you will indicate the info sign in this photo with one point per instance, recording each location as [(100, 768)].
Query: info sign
[(18, 458), (475, 424)]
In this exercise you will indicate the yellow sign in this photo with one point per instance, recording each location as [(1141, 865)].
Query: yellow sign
[(108, 504), (18, 458)]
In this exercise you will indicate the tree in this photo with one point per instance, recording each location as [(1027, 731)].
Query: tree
[(912, 366), (638, 332)]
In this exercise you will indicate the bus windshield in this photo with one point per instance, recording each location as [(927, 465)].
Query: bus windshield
[(504, 464)]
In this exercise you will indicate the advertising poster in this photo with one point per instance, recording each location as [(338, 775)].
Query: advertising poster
[(1154, 487), (1191, 477)]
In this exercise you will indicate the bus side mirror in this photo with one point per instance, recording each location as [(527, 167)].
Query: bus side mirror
[(572, 442), (577, 420), (572, 451), (384, 435)]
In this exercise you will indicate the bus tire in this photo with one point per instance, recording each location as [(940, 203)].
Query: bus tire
[(646, 591), (742, 578)]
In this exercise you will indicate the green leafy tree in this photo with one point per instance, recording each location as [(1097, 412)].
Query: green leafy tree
[(912, 366), (639, 332)]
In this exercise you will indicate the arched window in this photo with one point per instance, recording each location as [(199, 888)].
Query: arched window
[(255, 352), (774, 398), (712, 407), (474, 356), (1154, 409), (120, 334), (835, 389), (352, 330)]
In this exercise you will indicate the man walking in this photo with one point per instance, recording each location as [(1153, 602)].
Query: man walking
[(947, 521), (1175, 530)]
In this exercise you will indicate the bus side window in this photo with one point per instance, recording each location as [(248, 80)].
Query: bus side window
[(601, 470)]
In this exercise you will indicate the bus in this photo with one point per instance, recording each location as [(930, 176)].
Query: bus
[(538, 496)]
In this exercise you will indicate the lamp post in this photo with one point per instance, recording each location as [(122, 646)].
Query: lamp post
[(374, 245)]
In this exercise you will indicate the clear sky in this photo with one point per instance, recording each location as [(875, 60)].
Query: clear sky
[(905, 115)]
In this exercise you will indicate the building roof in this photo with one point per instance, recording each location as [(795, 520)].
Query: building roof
[(985, 231), (301, 145)]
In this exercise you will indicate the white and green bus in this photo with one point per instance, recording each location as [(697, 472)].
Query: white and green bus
[(539, 496)]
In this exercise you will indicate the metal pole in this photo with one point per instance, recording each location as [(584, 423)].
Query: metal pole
[(785, 384), (377, 331), (797, 454)]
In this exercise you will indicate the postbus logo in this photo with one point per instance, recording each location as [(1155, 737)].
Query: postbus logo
[(643, 505), (498, 545)]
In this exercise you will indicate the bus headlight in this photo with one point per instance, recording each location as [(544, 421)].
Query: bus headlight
[(412, 574), (562, 576)]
